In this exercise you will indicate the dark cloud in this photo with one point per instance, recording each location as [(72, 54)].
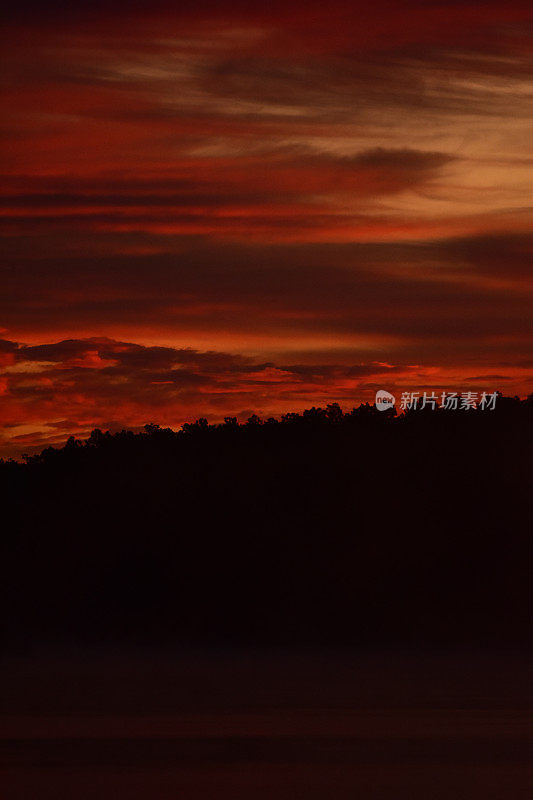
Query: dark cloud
[(414, 160), (290, 183), (507, 256), (432, 291)]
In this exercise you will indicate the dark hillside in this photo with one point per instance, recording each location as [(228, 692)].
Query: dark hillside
[(321, 527)]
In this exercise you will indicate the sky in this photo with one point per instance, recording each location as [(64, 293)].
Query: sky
[(218, 209)]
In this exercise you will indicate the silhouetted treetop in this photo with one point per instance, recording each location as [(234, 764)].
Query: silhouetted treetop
[(509, 411)]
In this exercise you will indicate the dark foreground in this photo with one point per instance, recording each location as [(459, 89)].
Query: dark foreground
[(247, 726), (360, 587)]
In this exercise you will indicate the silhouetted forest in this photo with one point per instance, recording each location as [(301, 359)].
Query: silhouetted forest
[(324, 526)]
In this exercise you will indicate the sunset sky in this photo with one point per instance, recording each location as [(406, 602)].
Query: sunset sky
[(214, 209)]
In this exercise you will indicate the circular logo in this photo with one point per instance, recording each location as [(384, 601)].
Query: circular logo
[(384, 400)]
